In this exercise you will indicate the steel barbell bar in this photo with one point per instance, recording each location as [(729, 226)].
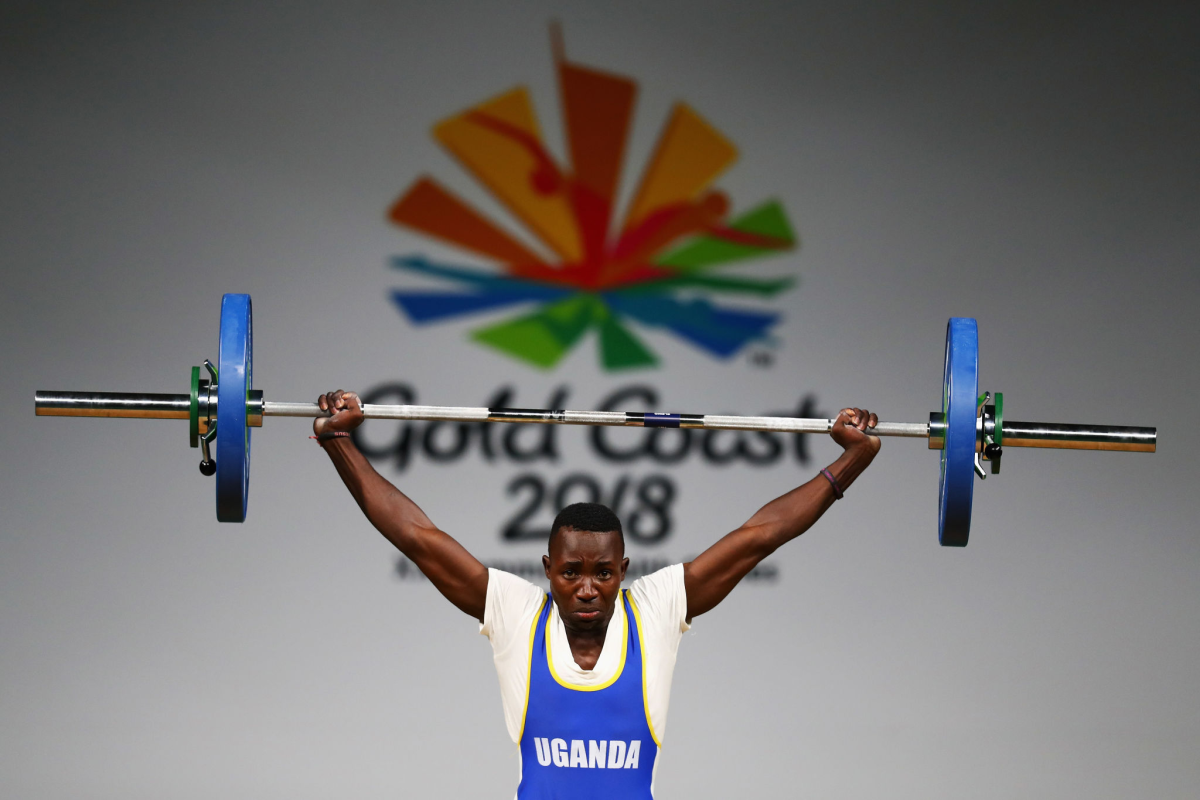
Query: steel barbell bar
[(968, 430), (175, 406)]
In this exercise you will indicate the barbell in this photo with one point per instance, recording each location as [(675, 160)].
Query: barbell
[(968, 430)]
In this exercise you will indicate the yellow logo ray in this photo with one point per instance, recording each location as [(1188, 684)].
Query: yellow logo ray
[(689, 156), (499, 142)]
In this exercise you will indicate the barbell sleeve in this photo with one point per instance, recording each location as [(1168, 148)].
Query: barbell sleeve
[(1079, 437), (138, 405)]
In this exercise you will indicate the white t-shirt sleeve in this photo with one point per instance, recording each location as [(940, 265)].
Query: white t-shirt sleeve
[(661, 601), (509, 612)]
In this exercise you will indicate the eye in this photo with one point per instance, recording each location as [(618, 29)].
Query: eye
[(568, 573), (605, 573)]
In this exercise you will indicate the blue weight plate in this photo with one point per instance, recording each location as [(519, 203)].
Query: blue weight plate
[(960, 390), (234, 381)]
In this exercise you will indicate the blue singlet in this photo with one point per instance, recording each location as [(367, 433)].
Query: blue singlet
[(587, 743)]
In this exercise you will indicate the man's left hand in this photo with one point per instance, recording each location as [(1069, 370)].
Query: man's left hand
[(849, 426)]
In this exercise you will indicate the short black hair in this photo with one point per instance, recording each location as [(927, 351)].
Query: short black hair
[(587, 517)]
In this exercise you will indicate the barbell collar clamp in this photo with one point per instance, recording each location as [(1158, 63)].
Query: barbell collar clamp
[(208, 467)]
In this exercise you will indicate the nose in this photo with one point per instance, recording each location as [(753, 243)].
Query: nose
[(587, 591)]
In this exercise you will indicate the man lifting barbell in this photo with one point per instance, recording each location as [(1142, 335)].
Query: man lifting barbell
[(573, 696)]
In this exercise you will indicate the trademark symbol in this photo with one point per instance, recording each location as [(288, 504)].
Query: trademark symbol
[(761, 358)]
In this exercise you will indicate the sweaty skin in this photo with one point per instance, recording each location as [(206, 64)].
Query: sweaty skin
[(586, 568)]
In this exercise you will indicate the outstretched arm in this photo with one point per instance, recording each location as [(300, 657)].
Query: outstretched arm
[(718, 569), (456, 573)]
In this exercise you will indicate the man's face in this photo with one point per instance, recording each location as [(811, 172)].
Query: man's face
[(585, 569)]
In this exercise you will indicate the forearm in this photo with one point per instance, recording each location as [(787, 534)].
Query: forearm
[(786, 517)]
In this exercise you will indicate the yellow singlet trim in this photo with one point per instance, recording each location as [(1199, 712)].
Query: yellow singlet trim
[(606, 684), (529, 667), (642, 644)]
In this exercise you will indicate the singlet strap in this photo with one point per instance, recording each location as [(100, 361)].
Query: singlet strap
[(533, 629), (635, 619)]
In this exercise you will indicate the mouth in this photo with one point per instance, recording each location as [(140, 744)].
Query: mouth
[(587, 615)]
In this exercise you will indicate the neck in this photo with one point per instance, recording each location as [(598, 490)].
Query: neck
[(587, 644)]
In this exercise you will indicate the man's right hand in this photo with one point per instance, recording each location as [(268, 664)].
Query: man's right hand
[(346, 412)]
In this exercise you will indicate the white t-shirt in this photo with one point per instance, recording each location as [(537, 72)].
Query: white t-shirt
[(513, 604)]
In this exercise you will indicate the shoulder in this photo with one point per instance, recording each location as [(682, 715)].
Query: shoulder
[(511, 601), (658, 586), (661, 599), (507, 584)]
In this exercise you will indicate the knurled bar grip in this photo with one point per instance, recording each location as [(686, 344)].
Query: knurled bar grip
[(1016, 434)]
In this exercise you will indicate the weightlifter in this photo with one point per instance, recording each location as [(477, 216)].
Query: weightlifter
[(585, 671)]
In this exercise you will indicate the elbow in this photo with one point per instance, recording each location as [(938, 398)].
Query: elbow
[(768, 538)]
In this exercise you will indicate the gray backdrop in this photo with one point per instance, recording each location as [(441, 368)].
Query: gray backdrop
[(1034, 166)]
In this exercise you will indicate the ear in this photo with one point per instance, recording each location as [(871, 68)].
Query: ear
[(624, 567), (546, 566)]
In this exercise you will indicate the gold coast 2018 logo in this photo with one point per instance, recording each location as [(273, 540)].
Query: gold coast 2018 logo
[(658, 267)]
